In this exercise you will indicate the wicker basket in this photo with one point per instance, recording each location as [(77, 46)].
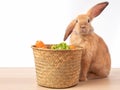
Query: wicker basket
[(57, 68)]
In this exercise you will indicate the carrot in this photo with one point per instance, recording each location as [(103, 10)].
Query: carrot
[(72, 47), (40, 44)]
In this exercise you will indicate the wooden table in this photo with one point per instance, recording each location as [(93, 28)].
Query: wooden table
[(25, 79)]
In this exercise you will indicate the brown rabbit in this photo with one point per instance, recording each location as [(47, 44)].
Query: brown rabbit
[(96, 61)]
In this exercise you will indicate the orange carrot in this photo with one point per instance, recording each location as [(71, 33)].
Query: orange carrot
[(40, 44), (72, 47)]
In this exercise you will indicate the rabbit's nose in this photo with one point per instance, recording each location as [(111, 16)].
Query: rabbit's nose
[(82, 26)]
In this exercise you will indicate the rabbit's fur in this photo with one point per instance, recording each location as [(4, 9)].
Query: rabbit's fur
[(96, 61)]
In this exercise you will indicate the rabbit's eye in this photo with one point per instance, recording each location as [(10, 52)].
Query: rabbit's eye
[(88, 20), (76, 21)]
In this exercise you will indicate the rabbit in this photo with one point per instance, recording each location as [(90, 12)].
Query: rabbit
[(96, 60)]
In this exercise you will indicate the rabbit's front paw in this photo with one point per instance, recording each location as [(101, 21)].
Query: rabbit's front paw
[(83, 79)]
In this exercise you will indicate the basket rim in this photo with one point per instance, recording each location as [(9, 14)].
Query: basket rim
[(47, 49)]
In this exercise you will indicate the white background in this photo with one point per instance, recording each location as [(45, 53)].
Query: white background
[(22, 22)]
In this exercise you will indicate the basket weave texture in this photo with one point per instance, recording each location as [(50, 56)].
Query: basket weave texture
[(57, 68)]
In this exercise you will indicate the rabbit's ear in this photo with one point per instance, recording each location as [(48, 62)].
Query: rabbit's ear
[(97, 9), (69, 29)]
